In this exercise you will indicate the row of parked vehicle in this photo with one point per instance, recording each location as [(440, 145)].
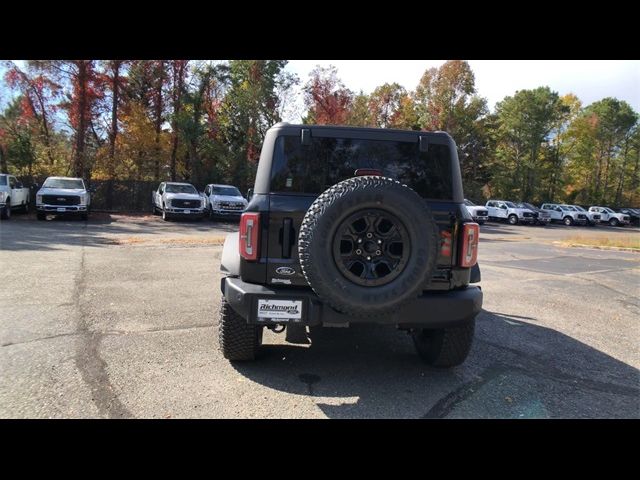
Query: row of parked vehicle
[(527, 213), (71, 196), (176, 199)]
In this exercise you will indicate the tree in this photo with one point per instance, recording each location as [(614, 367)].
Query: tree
[(389, 108), (359, 114), (250, 107), (604, 136), (525, 122), (326, 98), (39, 94), (446, 100)]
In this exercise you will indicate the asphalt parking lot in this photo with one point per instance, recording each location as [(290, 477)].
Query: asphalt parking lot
[(117, 318)]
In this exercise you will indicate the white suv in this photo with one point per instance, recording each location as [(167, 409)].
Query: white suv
[(608, 215)]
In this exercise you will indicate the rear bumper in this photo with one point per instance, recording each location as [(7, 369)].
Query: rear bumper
[(431, 310)]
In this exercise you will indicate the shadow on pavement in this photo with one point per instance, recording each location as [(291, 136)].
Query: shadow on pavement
[(27, 233), (515, 370)]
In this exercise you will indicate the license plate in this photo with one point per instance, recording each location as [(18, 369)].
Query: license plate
[(187, 211), (279, 310), (61, 209)]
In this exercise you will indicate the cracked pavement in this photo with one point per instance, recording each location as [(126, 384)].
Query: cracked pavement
[(94, 325)]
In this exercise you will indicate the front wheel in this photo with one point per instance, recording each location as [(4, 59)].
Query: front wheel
[(25, 207), (568, 221), (239, 341), (165, 215), (444, 347), (513, 219), (41, 216), (5, 213), (613, 222)]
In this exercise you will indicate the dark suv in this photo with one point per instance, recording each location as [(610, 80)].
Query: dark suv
[(354, 225)]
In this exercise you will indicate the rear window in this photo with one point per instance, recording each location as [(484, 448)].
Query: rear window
[(3, 180), (311, 169)]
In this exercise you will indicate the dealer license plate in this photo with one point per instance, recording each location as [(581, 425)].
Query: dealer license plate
[(279, 310)]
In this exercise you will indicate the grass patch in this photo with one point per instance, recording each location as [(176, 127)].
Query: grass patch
[(169, 241), (630, 242)]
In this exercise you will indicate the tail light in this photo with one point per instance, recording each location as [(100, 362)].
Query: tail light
[(249, 230), (469, 250)]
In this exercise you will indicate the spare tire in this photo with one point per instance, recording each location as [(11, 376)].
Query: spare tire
[(367, 245)]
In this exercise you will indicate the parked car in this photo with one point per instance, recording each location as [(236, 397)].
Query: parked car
[(12, 196), (564, 214), (63, 196), (354, 238), (542, 216), (634, 214), (176, 199), (224, 201), (509, 212), (610, 216), (479, 213), (593, 218)]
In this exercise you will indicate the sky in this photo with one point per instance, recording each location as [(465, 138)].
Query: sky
[(590, 80)]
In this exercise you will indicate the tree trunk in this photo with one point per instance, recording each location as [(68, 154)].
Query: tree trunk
[(78, 164), (3, 160), (158, 119)]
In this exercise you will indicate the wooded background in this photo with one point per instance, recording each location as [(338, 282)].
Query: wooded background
[(119, 121)]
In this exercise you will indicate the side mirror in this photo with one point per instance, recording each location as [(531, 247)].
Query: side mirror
[(19, 185), (249, 193)]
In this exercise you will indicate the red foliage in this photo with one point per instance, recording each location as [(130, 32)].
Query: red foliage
[(327, 97)]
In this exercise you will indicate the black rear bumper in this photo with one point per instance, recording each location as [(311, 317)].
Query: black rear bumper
[(437, 309)]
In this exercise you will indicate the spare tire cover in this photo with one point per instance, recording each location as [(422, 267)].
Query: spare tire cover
[(367, 245)]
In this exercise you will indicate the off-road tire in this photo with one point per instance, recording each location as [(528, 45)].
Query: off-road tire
[(327, 214), (239, 341), (445, 347), (568, 221), (512, 219)]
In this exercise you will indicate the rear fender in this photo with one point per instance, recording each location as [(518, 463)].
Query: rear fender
[(230, 262)]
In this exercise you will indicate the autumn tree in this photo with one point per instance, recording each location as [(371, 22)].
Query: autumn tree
[(391, 107), (327, 100), (249, 109), (446, 99)]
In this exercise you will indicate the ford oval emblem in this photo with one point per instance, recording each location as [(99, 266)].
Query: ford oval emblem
[(285, 271)]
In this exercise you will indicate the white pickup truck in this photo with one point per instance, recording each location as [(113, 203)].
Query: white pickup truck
[(12, 196), (593, 218), (174, 199), (613, 218), (224, 200), (565, 214), (63, 196), (503, 210)]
